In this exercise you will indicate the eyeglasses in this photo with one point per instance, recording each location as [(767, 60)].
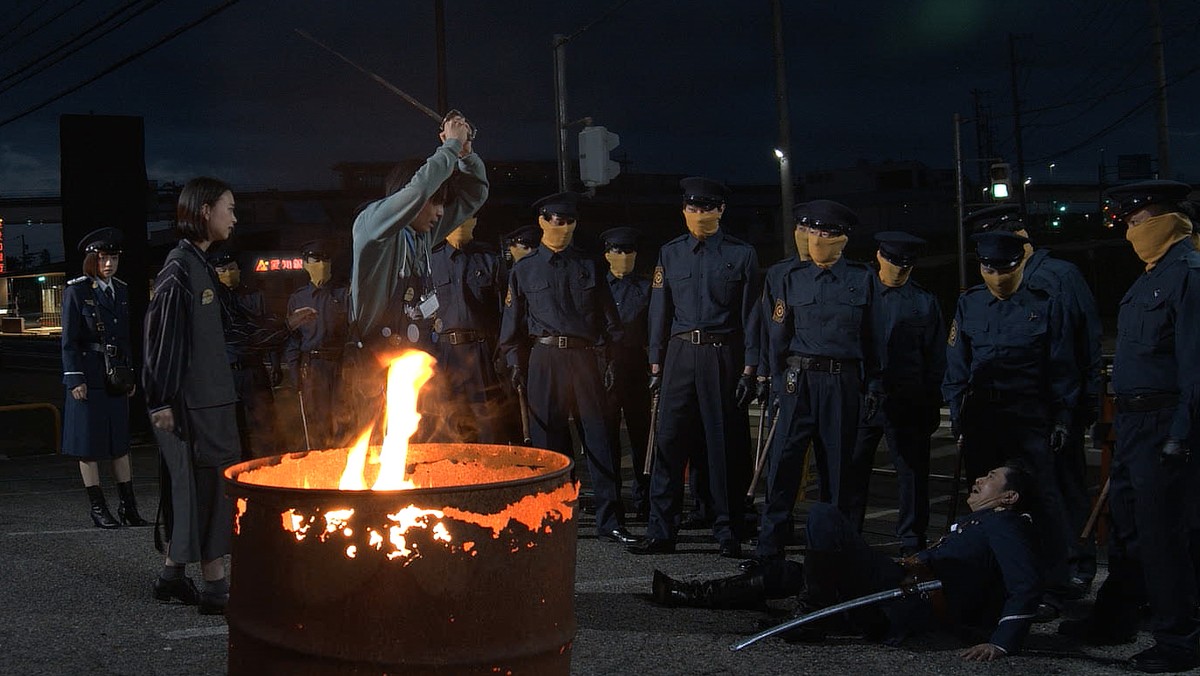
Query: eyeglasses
[(315, 258), (702, 204), (619, 249), (821, 229), (896, 260), (558, 219), (998, 267)]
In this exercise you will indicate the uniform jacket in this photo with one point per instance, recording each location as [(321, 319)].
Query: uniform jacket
[(1063, 280), (469, 286), (632, 297), (328, 331), (912, 344), (99, 425)]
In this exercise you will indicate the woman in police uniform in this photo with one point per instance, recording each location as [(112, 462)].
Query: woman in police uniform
[(95, 323)]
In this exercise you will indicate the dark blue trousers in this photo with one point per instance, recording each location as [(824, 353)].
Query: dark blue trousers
[(1151, 505), (563, 380), (466, 403), (700, 422), (630, 399), (319, 389), (823, 410), (255, 411)]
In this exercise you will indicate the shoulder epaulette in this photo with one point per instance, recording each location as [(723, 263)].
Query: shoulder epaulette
[(677, 239), (117, 280), (1193, 259), (735, 241), (78, 280), (975, 289)]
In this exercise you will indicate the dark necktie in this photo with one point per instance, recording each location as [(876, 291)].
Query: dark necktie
[(111, 296)]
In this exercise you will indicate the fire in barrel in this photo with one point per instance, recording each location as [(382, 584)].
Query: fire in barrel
[(430, 558)]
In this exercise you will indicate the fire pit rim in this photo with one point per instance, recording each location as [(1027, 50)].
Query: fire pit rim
[(231, 473)]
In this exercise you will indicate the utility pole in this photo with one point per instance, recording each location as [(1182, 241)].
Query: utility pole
[(439, 29), (958, 204), (1160, 71), (784, 151), (1016, 102), (560, 105)]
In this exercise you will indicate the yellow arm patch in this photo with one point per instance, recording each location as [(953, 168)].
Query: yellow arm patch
[(778, 313), (508, 298), (953, 333), (657, 283)]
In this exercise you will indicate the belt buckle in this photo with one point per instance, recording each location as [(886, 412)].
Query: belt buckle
[(695, 337), (806, 363), (454, 338), (562, 342), (835, 366)]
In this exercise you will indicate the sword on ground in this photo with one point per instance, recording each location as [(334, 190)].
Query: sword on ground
[(869, 599)]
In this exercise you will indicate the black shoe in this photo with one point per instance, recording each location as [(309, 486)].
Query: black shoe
[(1158, 659), (652, 546), (213, 604), (694, 522), (127, 509), (1046, 612), (618, 534), (1096, 632), (745, 590), (181, 589), (730, 549), (1077, 589), (750, 564), (101, 517)]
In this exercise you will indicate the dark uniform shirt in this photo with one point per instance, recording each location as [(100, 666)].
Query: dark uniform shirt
[(632, 297), (557, 294), (772, 284), (249, 330), (468, 283), (1158, 335), (1017, 351), (709, 285), (328, 331), (1061, 279), (911, 345), (988, 566)]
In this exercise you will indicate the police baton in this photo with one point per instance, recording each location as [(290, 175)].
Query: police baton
[(651, 441), (952, 515), (523, 404), (1095, 515), (760, 460), (303, 416)]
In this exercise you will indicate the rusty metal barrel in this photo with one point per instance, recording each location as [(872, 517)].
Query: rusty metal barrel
[(470, 573)]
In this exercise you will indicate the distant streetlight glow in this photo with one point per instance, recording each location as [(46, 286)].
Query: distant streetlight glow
[(779, 153)]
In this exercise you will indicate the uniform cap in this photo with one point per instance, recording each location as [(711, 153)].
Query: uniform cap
[(106, 240), (1122, 200), (900, 248), (999, 249), (704, 192), (622, 237), (825, 215), (1002, 216), (526, 234), (222, 257), (315, 248), (561, 203)]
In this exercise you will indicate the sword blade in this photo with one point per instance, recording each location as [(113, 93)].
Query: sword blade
[(869, 599)]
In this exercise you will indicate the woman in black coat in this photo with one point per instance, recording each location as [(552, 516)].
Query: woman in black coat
[(95, 323)]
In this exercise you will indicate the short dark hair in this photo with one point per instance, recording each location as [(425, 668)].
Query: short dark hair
[(1018, 478), (189, 218), (402, 174), (91, 264)]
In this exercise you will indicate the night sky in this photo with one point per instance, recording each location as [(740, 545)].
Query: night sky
[(689, 85)]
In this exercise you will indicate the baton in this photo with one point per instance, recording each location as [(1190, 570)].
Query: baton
[(869, 599), (1095, 515), (760, 462), (386, 85), (303, 417), (652, 440), (523, 404), (952, 515)]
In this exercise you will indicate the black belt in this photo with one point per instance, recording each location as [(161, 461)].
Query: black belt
[(245, 364), (564, 342), (826, 364), (700, 337), (458, 337), (994, 396), (328, 355), (93, 347), (1141, 403)]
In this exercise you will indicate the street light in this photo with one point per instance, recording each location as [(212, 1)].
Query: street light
[(785, 194), (779, 154)]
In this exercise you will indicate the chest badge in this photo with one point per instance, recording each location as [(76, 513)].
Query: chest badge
[(953, 338), (206, 298), (657, 283), (1156, 292), (777, 314), (508, 298), (1033, 316), (409, 294)]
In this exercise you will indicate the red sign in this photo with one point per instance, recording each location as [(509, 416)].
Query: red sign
[(2, 266)]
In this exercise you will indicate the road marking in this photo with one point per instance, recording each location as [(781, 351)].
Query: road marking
[(198, 632), (889, 512)]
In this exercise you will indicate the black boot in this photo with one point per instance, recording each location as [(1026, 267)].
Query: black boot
[(738, 591), (100, 514), (127, 510), (820, 591)]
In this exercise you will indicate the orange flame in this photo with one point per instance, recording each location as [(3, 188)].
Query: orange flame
[(407, 374)]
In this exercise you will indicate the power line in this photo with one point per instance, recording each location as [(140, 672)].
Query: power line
[(23, 19), (9, 44), (123, 62), (593, 22), (50, 54)]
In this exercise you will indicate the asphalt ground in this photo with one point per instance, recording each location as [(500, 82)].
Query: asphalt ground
[(76, 599)]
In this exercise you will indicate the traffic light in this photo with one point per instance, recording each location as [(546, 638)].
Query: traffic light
[(594, 166), (1001, 182)]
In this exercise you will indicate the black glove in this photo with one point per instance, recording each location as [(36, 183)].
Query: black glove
[(762, 391), (655, 383), (1058, 437), (744, 393), (516, 376), (873, 401), (610, 376), (1173, 452)]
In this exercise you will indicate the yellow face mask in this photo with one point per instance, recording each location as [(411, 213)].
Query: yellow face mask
[(702, 225), (464, 233), (620, 264), (825, 251), (801, 238), (519, 251), (230, 277), (1152, 237), (556, 237), (318, 271), (1003, 285), (891, 274)]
